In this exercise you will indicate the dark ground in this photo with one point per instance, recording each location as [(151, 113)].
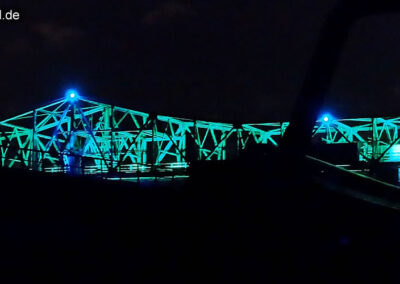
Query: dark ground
[(236, 222)]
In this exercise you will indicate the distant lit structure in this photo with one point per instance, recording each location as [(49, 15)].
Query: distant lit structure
[(77, 135)]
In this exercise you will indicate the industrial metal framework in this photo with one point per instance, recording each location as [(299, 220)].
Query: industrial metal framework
[(80, 136)]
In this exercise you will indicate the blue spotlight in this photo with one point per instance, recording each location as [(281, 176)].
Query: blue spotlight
[(327, 118), (72, 95)]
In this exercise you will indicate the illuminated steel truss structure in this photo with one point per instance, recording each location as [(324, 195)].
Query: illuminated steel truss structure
[(86, 137)]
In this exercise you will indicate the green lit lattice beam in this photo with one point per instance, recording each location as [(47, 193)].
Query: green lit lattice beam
[(83, 136)]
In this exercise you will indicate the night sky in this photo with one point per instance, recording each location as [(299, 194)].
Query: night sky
[(213, 60)]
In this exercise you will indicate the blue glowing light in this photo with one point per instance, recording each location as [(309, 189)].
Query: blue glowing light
[(327, 118), (71, 94)]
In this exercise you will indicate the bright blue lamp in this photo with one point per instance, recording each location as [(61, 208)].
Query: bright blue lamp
[(72, 95)]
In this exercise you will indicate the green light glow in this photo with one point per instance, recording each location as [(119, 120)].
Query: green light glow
[(96, 138)]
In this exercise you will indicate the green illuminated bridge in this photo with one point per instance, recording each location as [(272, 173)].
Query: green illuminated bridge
[(80, 136)]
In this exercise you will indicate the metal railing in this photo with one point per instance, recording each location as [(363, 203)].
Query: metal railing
[(45, 161)]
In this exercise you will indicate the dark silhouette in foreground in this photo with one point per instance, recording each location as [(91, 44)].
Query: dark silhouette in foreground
[(244, 221)]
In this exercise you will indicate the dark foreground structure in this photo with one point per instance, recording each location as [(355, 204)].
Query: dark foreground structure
[(318, 224)]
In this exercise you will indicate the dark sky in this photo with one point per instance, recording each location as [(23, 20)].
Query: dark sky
[(216, 60)]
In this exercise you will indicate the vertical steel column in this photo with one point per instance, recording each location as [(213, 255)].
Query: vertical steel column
[(197, 140), (153, 125), (113, 148), (374, 143), (238, 140), (34, 149)]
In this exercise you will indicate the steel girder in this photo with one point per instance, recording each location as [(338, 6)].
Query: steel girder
[(89, 137)]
